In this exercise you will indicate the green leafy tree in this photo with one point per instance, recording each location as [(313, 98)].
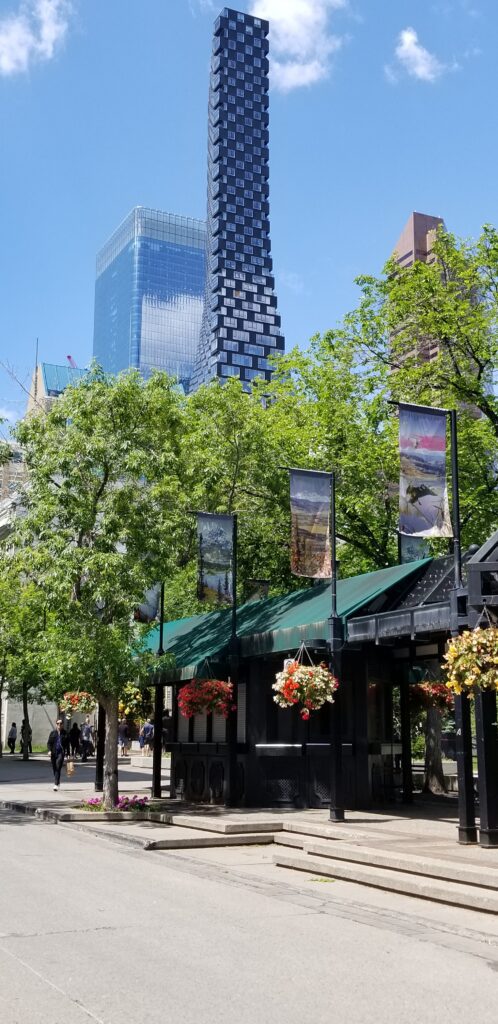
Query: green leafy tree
[(447, 309), (22, 622), (103, 510), (327, 413)]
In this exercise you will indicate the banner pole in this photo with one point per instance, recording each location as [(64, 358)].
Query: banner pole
[(158, 712), (231, 786), (336, 641)]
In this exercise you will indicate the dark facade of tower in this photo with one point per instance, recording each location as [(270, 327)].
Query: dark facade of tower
[(240, 326)]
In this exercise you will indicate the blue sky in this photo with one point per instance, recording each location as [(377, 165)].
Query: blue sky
[(103, 106)]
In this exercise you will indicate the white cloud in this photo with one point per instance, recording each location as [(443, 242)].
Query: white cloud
[(32, 34), (415, 59), (301, 39)]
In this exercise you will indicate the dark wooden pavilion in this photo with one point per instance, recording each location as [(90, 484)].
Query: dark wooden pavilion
[(394, 625)]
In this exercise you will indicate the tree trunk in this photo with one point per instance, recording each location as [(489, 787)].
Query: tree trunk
[(25, 711), (434, 781), (110, 795)]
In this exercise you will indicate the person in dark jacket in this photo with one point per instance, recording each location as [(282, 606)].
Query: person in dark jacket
[(74, 738), (166, 730), (86, 738), (123, 737), (26, 735), (56, 744)]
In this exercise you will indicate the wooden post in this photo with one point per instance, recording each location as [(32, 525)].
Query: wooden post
[(467, 831), (487, 763), (406, 741), (158, 741)]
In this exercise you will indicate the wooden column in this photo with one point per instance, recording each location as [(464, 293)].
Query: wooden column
[(487, 764), (467, 832), (362, 798), (158, 741), (174, 739), (336, 782), (406, 741)]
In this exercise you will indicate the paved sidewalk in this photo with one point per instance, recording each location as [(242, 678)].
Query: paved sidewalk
[(32, 781), (428, 827)]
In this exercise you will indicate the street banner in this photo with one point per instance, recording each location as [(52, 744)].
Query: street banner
[(310, 524), (215, 566), (423, 492), (149, 609), (411, 549)]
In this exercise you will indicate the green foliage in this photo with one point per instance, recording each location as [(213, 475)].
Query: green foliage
[(102, 504), (22, 620), (447, 309), (326, 412)]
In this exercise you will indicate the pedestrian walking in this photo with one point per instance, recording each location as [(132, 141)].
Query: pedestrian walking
[(147, 733), (123, 737), (166, 729), (86, 738), (56, 746), (12, 738), (74, 739), (26, 734)]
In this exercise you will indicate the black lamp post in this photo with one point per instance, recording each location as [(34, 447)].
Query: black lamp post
[(158, 713), (231, 785)]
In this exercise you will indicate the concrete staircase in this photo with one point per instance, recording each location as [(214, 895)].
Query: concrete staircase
[(427, 876)]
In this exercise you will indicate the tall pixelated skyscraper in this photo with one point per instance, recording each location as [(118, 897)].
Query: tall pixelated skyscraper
[(240, 325), (149, 294)]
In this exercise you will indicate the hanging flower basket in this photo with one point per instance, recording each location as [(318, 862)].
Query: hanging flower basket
[(431, 695), (310, 686), (203, 696), (78, 701), (471, 661)]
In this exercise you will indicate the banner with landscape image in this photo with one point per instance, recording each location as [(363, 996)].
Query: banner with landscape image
[(310, 524), (215, 540), (423, 492)]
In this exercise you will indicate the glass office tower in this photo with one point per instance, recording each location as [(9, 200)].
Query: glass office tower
[(240, 326), (149, 294)]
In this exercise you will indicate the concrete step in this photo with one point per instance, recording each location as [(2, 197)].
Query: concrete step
[(227, 826), (483, 876), (151, 836), (203, 841), (409, 884)]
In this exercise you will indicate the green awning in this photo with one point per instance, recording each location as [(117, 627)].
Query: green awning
[(275, 624)]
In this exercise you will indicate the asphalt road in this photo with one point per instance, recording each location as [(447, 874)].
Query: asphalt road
[(90, 930)]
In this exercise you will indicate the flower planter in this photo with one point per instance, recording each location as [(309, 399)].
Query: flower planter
[(206, 696), (471, 661), (308, 687)]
